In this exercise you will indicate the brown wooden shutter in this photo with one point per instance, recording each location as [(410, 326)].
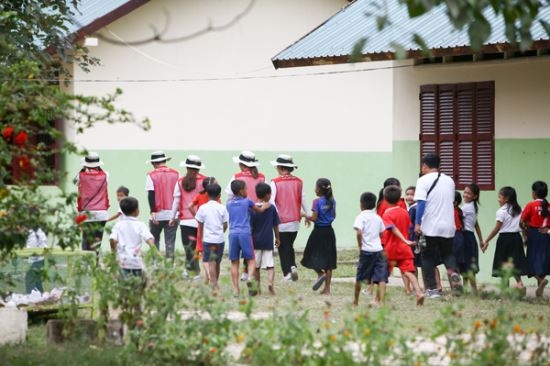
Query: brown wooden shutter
[(457, 123)]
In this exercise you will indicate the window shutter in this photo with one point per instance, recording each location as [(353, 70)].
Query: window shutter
[(457, 123)]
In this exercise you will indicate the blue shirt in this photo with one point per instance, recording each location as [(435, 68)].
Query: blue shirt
[(239, 215), (262, 228), (325, 213)]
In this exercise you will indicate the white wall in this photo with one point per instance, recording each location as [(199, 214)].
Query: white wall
[(253, 106), (522, 87)]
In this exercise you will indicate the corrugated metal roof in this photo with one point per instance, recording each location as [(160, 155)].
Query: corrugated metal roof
[(337, 36), (90, 10)]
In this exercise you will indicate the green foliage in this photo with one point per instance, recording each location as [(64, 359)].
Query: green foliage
[(36, 53)]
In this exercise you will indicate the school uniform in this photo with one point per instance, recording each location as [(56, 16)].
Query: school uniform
[(320, 251), (471, 250), (538, 244), (372, 265), (509, 243)]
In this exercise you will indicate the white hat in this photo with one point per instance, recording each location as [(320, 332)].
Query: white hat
[(284, 160), (157, 157), (246, 158), (193, 162), (91, 161)]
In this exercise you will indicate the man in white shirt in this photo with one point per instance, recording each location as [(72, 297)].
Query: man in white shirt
[(434, 195)]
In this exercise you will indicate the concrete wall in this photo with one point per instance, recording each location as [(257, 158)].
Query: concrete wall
[(13, 323)]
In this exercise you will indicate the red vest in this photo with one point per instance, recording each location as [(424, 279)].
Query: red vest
[(164, 181), (288, 198), (250, 183), (92, 191), (187, 197)]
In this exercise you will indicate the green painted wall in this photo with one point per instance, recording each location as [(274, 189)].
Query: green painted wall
[(350, 173), (518, 163)]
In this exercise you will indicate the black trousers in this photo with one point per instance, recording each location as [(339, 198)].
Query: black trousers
[(438, 250), (286, 251)]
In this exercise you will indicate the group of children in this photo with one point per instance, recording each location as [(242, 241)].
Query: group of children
[(384, 230), (383, 238)]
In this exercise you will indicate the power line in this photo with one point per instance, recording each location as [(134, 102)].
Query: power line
[(229, 78)]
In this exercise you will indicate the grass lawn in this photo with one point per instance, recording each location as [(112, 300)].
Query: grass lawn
[(529, 314)]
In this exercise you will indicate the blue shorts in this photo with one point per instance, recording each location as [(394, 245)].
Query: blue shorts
[(373, 267), (240, 246), (213, 252)]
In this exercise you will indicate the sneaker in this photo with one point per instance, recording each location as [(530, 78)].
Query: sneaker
[(540, 288), (287, 278), (456, 284), (294, 273), (244, 276), (317, 284), (197, 278), (432, 294)]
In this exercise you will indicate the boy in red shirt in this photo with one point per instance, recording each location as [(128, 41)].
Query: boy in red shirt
[(396, 245)]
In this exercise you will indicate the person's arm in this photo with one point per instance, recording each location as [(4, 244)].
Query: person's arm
[(359, 237), (277, 236), (200, 229), (479, 235), (113, 243), (175, 205), (398, 233), (420, 207), (491, 235), (114, 217), (225, 226)]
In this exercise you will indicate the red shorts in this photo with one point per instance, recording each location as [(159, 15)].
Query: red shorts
[(404, 265)]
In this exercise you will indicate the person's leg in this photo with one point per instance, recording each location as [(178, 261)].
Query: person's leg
[(235, 275), (188, 240), (414, 282), (170, 238), (381, 293), (244, 272), (328, 278), (428, 262), (285, 252), (541, 284), (357, 291), (445, 246), (33, 277), (438, 284), (155, 230), (270, 280), (406, 284)]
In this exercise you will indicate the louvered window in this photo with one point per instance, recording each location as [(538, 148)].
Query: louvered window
[(457, 122)]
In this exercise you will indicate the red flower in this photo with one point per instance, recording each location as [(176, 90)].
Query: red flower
[(81, 218), (20, 138), (7, 132), (23, 162)]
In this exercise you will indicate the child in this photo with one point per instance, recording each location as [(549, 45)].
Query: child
[(372, 266), (320, 251), (127, 236), (458, 240), (264, 225), (471, 252), (240, 241), (212, 218), (533, 218), (509, 242), (397, 222), (199, 200), (121, 192), (35, 239)]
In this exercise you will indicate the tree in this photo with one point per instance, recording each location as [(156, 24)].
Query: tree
[(34, 49), (518, 16)]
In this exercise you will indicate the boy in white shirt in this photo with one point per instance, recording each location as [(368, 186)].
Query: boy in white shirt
[(373, 265), (212, 218), (127, 237)]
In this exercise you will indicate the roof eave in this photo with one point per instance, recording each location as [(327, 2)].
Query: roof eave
[(414, 54)]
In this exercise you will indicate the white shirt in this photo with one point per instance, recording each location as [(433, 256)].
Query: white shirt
[(213, 215), (470, 216), (509, 224), (130, 233), (371, 226), (36, 239), (176, 206), (438, 218)]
